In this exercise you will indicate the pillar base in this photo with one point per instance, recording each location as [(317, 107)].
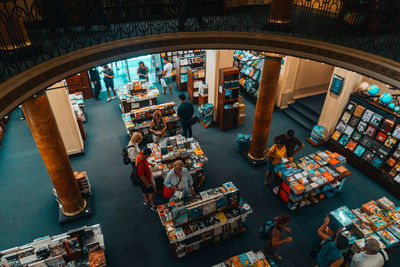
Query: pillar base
[(254, 162), (85, 212)]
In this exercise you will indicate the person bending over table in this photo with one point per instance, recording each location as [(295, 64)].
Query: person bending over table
[(291, 143), (158, 126), (275, 155), (179, 178)]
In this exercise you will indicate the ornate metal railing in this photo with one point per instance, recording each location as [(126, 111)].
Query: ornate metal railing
[(33, 31)]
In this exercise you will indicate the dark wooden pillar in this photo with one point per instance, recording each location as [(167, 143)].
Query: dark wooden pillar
[(42, 123), (265, 105), (281, 11)]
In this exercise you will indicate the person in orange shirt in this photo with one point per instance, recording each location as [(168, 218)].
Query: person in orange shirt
[(275, 155)]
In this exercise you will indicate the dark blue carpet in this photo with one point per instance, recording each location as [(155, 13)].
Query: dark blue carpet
[(133, 234)]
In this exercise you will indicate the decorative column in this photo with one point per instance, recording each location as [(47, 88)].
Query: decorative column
[(280, 11), (265, 105), (42, 123)]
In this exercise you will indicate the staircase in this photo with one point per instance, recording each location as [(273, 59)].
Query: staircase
[(303, 114)]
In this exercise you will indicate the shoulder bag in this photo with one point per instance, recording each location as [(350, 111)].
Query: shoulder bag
[(169, 192)]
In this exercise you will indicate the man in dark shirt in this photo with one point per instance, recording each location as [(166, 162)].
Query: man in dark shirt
[(291, 143), (185, 113), (95, 79), (109, 81)]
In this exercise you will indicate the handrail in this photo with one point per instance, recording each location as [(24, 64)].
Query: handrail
[(33, 31)]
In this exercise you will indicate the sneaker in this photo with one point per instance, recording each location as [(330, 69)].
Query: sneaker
[(114, 97), (146, 203), (108, 99), (154, 209)]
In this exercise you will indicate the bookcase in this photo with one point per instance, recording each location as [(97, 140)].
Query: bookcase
[(80, 83), (250, 65), (190, 61), (83, 246), (216, 214), (195, 80), (228, 97), (368, 134)]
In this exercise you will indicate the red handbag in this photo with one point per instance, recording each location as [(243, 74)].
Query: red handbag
[(169, 192)]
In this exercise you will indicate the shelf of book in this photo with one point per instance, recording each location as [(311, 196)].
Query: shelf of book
[(173, 148), (368, 135), (214, 214), (195, 81), (195, 62), (228, 98), (139, 120), (250, 258), (135, 95), (83, 246), (378, 219), (312, 178), (78, 106)]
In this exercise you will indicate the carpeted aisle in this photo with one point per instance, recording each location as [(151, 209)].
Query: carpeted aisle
[(133, 233)]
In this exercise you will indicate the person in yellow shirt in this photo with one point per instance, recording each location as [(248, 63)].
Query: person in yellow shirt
[(275, 155)]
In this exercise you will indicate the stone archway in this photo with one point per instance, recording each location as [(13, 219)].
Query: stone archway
[(24, 85)]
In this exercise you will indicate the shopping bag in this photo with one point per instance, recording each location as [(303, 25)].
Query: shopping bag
[(167, 192), (163, 83)]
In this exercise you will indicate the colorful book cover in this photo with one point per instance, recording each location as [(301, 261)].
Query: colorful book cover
[(358, 111), (341, 126), (391, 162), (357, 136), (390, 141), (387, 125), (377, 163), (353, 121), (376, 120), (381, 136), (350, 107), (346, 117), (389, 239), (362, 126), (336, 135), (351, 145), (370, 130), (349, 130), (396, 132), (365, 140), (368, 156), (367, 115), (374, 146), (343, 140), (383, 151), (359, 151)]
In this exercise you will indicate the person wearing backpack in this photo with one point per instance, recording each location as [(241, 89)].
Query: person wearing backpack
[(371, 256), (331, 252), (146, 181), (274, 239), (133, 147)]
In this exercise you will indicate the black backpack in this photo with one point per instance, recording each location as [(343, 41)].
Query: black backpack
[(136, 181), (125, 155)]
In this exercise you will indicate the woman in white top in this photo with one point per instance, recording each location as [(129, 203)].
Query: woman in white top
[(133, 146)]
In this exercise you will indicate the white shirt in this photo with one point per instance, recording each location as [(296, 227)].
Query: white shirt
[(168, 69), (185, 183), (363, 259), (133, 152)]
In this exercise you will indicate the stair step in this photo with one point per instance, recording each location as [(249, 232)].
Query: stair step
[(313, 108), (306, 112), (294, 115)]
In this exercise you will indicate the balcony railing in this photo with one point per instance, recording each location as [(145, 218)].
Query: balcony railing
[(33, 31)]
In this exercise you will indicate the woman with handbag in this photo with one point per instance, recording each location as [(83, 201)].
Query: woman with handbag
[(274, 156), (178, 179), (158, 126)]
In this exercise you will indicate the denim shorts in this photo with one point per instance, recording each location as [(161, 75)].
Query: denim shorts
[(168, 80)]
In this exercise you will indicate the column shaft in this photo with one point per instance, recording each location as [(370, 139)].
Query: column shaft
[(265, 105), (42, 123)]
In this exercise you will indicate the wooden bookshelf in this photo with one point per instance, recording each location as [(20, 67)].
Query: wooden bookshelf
[(227, 117), (182, 68)]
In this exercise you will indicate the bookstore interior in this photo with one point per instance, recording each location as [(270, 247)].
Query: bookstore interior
[(363, 133)]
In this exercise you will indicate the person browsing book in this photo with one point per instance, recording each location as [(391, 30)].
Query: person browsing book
[(133, 146), (371, 256), (144, 172), (275, 238), (179, 178), (185, 114), (291, 143), (109, 81), (143, 71), (158, 126), (274, 156)]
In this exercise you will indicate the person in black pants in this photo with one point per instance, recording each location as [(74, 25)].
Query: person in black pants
[(95, 79), (185, 113)]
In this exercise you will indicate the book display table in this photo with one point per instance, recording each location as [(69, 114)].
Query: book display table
[(312, 178), (251, 258), (135, 95), (214, 215), (378, 219), (175, 148), (83, 246), (139, 120)]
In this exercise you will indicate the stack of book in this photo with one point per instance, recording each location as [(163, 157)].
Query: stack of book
[(132, 98), (173, 148), (206, 114), (378, 219), (251, 258), (310, 179), (83, 246), (82, 180), (214, 215)]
